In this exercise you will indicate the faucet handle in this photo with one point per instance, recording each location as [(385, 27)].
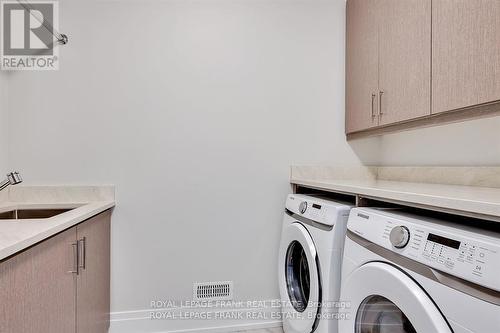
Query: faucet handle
[(14, 178)]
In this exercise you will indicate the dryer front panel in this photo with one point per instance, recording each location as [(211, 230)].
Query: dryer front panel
[(299, 280)]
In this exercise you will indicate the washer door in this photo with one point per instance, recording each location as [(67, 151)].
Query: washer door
[(386, 300), (298, 280)]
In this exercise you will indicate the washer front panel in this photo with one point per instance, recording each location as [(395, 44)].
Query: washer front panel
[(319, 210), (300, 318)]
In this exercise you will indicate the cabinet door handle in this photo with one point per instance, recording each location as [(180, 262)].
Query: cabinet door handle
[(380, 94), (82, 251), (75, 270), (373, 108)]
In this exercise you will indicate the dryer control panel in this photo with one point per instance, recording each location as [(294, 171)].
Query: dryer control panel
[(468, 253)]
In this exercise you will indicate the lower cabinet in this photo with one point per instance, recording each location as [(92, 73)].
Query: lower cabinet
[(37, 294), (60, 285), (92, 283)]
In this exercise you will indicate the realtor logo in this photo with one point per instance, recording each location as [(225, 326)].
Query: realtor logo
[(27, 36)]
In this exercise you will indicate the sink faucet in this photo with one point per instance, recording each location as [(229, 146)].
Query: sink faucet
[(13, 178)]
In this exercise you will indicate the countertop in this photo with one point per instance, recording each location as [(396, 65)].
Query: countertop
[(17, 235), (481, 201)]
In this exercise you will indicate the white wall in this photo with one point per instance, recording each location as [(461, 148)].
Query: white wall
[(471, 143), (195, 110), (4, 118)]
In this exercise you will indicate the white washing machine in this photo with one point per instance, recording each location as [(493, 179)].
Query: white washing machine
[(310, 255), (404, 273)]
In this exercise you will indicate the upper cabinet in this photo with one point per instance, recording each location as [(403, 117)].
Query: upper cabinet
[(388, 62), (361, 65), (407, 62), (465, 53), (404, 60)]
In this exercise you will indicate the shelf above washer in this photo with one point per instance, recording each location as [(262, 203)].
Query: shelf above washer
[(472, 201)]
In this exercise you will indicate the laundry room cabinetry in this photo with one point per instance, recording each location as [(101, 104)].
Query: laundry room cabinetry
[(418, 63), (92, 283), (37, 290), (404, 60), (361, 65), (60, 284), (465, 53), (388, 59)]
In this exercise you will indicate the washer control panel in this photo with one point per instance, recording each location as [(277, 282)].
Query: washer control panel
[(473, 255), (319, 210)]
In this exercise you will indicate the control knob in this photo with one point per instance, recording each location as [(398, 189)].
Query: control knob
[(303, 207), (399, 237)]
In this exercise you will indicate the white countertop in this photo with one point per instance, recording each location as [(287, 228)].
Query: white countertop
[(468, 199), (16, 235)]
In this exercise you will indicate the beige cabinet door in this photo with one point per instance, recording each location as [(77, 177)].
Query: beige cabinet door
[(37, 291), (361, 65), (93, 288), (405, 60), (465, 53)]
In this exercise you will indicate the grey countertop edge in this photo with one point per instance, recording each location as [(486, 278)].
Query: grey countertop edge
[(52, 226), (470, 199)]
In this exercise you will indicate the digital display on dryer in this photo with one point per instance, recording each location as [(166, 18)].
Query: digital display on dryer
[(316, 206), (444, 241)]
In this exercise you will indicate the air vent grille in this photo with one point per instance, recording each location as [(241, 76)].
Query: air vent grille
[(207, 291)]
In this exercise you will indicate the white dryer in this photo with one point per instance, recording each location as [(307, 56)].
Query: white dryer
[(309, 270), (403, 273)]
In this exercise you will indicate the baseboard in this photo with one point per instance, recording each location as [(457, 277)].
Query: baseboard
[(221, 320), (230, 328)]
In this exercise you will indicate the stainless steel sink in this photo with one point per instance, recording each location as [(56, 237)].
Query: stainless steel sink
[(23, 214)]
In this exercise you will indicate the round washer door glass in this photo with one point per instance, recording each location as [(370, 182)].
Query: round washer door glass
[(377, 314), (297, 276), (299, 281)]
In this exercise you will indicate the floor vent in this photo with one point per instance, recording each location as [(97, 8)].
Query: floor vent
[(207, 291)]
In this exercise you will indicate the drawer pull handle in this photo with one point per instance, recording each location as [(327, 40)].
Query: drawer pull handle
[(82, 250), (75, 268), (380, 94), (373, 108)]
